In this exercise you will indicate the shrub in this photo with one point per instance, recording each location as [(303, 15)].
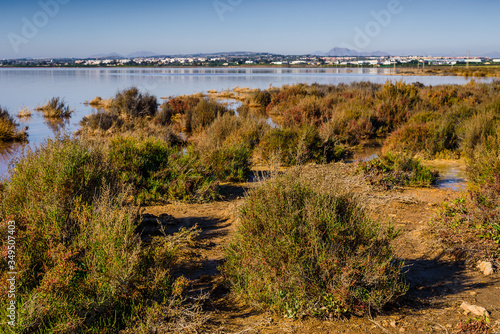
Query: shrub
[(188, 178), (138, 159), (476, 129), (204, 113), (411, 139), (235, 130), (301, 252), (230, 162), (102, 120), (391, 170), (102, 280), (55, 108), (164, 116), (299, 146), (261, 98), (160, 172), (132, 103), (98, 102), (46, 182), (470, 224), (9, 131)]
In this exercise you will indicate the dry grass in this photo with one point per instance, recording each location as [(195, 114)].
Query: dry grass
[(9, 129), (24, 113), (55, 108), (100, 103)]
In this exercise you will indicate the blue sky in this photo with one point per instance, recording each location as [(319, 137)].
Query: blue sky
[(77, 28)]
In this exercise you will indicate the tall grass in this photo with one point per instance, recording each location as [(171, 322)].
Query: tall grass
[(55, 108), (470, 224), (81, 265), (302, 252)]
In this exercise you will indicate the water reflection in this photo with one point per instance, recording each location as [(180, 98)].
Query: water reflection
[(57, 125), (452, 173), (8, 154)]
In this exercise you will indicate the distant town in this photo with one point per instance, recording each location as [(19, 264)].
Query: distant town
[(250, 59)]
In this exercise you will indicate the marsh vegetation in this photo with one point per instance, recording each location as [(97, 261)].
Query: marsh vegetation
[(299, 250)]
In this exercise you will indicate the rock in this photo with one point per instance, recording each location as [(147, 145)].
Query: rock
[(486, 268), (393, 324), (474, 309)]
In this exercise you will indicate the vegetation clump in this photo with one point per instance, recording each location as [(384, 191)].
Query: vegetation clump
[(470, 224), (9, 129), (134, 104), (392, 169), (299, 146), (102, 120), (303, 252), (55, 108)]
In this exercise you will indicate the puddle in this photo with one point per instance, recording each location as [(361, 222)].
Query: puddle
[(231, 104), (368, 150), (452, 174)]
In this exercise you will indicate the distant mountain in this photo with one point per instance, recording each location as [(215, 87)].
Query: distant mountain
[(142, 54), (114, 55), (340, 52), (107, 55)]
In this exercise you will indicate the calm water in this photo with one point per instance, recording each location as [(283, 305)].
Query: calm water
[(28, 88)]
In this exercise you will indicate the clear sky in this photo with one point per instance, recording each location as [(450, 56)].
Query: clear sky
[(78, 28)]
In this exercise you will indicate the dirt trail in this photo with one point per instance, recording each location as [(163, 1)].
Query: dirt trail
[(438, 282)]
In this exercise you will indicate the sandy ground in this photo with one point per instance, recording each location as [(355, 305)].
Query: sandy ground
[(438, 282)]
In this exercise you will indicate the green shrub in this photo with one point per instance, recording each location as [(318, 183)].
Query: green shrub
[(133, 104), (205, 112), (392, 169), (234, 130), (46, 181), (188, 178), (160, 172), (229, 162), (102, 280), (299, 147), (301, 252)]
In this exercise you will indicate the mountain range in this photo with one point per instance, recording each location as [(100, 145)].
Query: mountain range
[(138, 54), (335, 52)]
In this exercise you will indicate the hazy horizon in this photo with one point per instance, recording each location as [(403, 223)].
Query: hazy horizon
[(74, 28)]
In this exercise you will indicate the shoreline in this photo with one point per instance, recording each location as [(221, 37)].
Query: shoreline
[(492, 71)]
